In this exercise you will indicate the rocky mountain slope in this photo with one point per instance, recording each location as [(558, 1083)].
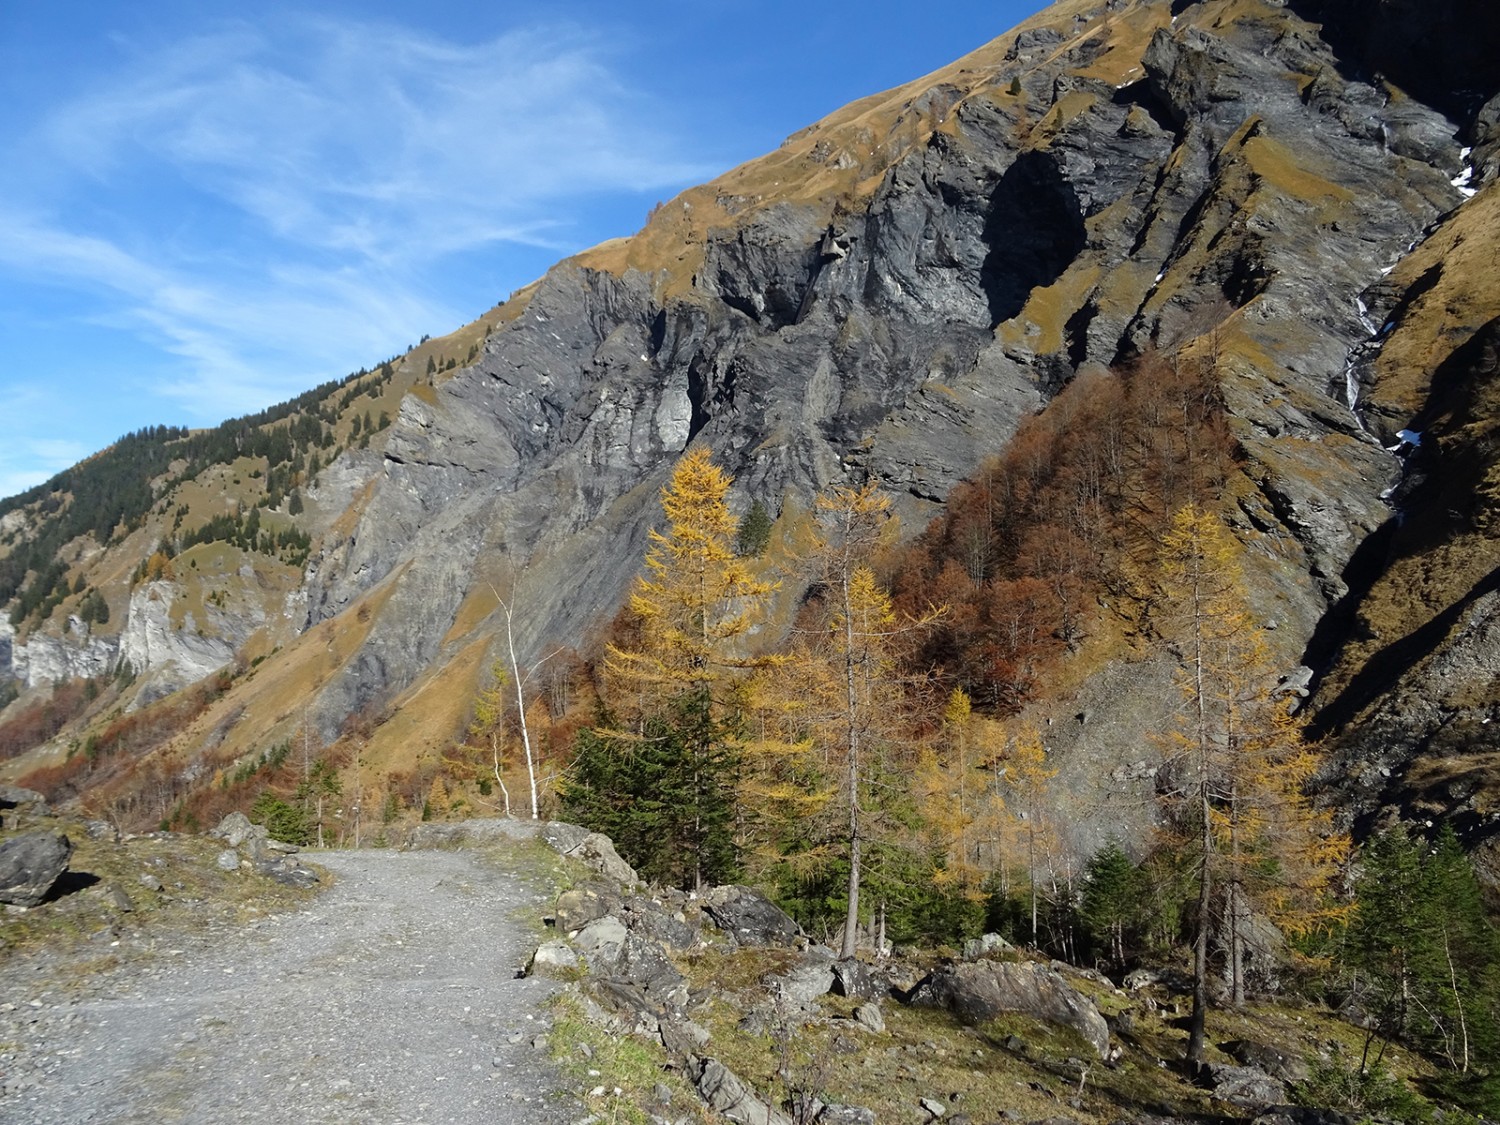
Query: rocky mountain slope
[(1301, 193)]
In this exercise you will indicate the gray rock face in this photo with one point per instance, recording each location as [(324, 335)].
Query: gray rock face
[(598, 852), (44, 658), (810, 977), (749, 917), (1246, 1086), (658, 922), (1058, 209), (1268, 1058), (236, 828), (30, 864), (870, 1018), (897, 336), (853, 979), (614, 953), (722, 1089), (985, 945), (553, 959), (982, 990), (580, 905)]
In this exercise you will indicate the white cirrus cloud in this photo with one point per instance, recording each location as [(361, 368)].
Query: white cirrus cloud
[(269, 204)]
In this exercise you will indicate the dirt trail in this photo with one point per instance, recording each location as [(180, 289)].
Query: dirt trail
[(392, 998)]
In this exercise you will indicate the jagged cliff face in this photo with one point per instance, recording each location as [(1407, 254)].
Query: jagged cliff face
[(890, 292)]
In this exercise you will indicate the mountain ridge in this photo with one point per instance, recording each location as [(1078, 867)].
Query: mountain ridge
[(1212, 181)]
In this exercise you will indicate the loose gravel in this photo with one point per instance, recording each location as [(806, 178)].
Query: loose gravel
[(394, 997)]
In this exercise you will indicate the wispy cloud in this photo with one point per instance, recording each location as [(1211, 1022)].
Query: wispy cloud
[(374, 139), (264, 201), (27, 456)]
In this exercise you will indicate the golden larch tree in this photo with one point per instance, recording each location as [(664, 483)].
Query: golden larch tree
[(1236, 763)]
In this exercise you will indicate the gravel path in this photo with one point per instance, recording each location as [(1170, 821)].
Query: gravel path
[(392, 998)]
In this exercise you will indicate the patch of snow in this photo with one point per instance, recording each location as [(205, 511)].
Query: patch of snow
[(1465, 176), (1159, 276), (1410, 437)]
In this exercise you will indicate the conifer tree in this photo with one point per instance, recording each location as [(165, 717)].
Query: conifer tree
[(677, 691), (962, 809), (1430, 957), (1237, 763), (1112, 907), (489, 726), (854, 669), (1026, 772), (754, 534)]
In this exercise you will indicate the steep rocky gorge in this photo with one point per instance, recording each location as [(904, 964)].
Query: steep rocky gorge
[(893, 290)]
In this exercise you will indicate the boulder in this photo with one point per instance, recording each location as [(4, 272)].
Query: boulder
[(845, 1115), (986, 945), (933, 1108), (30, 864), (24, 800), (633, 1012), (645, 964), (682, 1037), (583, 904), (1273, 1060), (982, 990), (809, 977), (1245, 1086), (614, 953), (853, 979), (601, 941), (724, 1091), (563, 837), (597, 851), (869, 1017), (235, 829), (658, 922), (749, 917), (553, 959)]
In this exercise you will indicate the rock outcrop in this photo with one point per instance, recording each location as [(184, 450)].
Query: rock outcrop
[(30, 864), (982, 990)]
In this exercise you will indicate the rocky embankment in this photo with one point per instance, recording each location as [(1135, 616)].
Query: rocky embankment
[(476, 976)]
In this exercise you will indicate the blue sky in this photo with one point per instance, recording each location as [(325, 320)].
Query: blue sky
[(206, 208)]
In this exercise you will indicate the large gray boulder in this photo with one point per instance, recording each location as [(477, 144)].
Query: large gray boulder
[(236, 829), (1246, 1086), (614, 953), (808, 978), (30, 865), (750, 917), (983, 990), (584, 903), (597, 851)]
